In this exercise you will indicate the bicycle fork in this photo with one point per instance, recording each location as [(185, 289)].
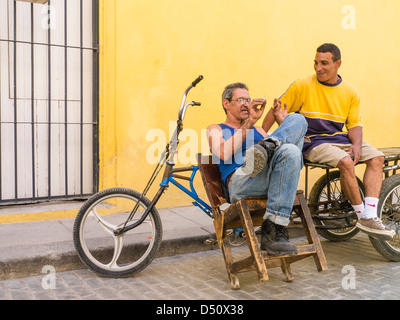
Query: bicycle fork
[(163, 186)]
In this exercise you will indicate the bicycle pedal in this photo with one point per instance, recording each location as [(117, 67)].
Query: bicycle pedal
[(211, 241)]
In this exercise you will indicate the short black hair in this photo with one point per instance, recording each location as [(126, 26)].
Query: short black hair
[(330, 47)]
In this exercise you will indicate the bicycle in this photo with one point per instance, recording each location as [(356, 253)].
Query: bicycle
[(131, 220)]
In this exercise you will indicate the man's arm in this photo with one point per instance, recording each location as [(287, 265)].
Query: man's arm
[(274, 114), (355, 136), (225, 149), (269, 121)]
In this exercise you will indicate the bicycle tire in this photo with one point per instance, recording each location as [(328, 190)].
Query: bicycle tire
[(97, 246), (389, 212), (317, 194)]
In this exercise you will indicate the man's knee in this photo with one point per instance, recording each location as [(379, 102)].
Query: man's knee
[(292, 152), (346, 163), (301, 121), (376, 162)]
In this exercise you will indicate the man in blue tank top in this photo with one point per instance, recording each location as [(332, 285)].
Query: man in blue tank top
[(253, 163)]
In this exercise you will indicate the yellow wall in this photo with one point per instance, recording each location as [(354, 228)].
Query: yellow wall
[(151, 50)]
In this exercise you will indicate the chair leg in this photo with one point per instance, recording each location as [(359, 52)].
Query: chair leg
[(226, 252), (311, 233), (253, 244), (287, 270)]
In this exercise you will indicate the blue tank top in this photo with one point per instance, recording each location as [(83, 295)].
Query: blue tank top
[(230, 165)]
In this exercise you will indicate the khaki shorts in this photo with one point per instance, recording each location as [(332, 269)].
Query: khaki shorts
[(332, 153)]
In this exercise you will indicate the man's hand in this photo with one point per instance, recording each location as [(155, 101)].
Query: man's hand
[(278, 113), (256, 110), (355, 151)]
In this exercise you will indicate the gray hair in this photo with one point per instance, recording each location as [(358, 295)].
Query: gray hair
[(229, 90)]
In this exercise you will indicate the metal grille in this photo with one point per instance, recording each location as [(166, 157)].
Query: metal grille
[(48, 100)]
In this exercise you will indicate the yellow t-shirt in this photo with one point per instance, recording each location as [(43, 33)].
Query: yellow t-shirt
[(327, 109)]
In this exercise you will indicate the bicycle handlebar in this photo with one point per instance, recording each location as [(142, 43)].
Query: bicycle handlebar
[(183, 107), (195, 82)]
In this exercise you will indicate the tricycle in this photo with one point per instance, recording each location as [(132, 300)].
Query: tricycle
[(118, 231)]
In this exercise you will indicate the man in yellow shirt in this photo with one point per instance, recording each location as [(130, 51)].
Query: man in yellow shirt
[(329, 103)]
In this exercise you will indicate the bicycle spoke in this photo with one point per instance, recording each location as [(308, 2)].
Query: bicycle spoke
[(108, 227), (118, 240), (118, 245)]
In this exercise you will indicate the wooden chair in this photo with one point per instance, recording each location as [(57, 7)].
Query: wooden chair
[(248, 213)]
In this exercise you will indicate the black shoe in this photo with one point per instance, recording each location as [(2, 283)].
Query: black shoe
[(269, 145), (275, 240)]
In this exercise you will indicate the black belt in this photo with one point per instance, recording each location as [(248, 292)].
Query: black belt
[(228, 179)]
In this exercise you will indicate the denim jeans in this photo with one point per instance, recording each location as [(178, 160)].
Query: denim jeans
[(279, 179)]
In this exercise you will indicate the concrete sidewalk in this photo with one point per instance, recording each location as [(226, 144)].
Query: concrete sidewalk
[(33, 236), (26, 247)]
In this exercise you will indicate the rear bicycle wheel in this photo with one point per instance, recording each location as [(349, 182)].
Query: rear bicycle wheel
[(334, 230), (389, 213), (100, 249)]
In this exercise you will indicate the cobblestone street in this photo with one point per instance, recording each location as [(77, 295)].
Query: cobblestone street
[(355, 271)]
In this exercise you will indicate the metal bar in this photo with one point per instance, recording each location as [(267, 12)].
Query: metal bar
[(43, 199), (47, 122), (328, 185), (306, 183), (15, 107), (1, 176), (95, 116), (33, 105), (385, 165), (177, 176), (183, 169), (129, 226), (81, 106), (49, 107), (48, 44), (66, 96), (393, 167)]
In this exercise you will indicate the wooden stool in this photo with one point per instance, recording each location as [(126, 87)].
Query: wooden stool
[(248, 213)]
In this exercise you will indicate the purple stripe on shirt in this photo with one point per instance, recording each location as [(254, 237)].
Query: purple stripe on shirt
[(324, 131)]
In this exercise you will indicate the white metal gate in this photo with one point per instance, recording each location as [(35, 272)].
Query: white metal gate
[(48, 99)]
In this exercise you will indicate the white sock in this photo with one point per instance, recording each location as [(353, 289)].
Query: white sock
[(359, 209), (371, 208)]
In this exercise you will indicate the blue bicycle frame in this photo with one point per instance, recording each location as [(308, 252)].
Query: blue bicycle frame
[(192, 192)]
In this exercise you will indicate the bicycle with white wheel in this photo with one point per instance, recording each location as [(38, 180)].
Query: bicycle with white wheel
[(118, 231)]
